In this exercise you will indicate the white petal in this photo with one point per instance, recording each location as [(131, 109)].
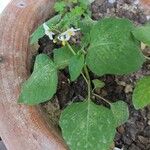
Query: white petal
[(48, 32), (50, 35), (46, 28), (74, 30), (65, 36)]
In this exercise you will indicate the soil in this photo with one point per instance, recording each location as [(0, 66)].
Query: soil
[(135, 133)]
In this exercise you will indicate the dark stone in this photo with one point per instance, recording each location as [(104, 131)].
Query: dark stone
[(147, 131), (1, 59), (134, 147)]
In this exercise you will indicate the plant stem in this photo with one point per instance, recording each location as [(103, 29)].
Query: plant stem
[(100, 97), (89, 82), (82, 49), (87, 73), (71, 49), (86, 76), (89, 91)]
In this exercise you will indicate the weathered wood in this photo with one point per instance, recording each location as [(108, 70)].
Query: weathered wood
[(22, 127)]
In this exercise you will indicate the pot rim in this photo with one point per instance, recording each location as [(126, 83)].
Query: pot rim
[(22, 127)]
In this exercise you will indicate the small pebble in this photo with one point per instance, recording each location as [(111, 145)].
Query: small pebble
[(116, 148), (136, 2), (143, 46), (111, 1), (148, 122), (128, 88), (1, 59), (148, 17)]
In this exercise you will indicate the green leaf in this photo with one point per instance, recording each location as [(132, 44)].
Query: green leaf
[(98, 83), (39, 32), (142, 34), (141, 94), (86, 126), (62, 57), (85, 25), (113, 49), (71, 18), (120, 112), (42, 84), (78, 11), (60, 6), (76, 65)]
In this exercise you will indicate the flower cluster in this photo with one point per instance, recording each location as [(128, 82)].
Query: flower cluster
[(63, 37)]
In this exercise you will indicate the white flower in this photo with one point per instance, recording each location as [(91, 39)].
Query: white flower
[(65, 36), (48, 32)]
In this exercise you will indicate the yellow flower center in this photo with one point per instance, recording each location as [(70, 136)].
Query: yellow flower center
[(70, 33), (63, 43)]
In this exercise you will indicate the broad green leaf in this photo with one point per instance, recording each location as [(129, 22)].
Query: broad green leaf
[(85, 25), (113, 49), (62, 57), (42, 84), (76, 65), (141, 94), (60, 6), (98, 83), (87, 126), (120, 112), (142, 34), (39, 32)]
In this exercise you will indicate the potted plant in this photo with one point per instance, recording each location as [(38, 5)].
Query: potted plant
[(23, 127)]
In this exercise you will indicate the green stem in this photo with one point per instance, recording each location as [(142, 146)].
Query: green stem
[(89, 82), (86, 76), (71, 49), (82, 49), (100, 97), (87, 73), (89, 91)]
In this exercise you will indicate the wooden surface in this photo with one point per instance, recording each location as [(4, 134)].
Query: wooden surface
[(21, 127)]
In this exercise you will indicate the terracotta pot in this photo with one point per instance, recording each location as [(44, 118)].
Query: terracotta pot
[(23, 127), (146, 5)]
